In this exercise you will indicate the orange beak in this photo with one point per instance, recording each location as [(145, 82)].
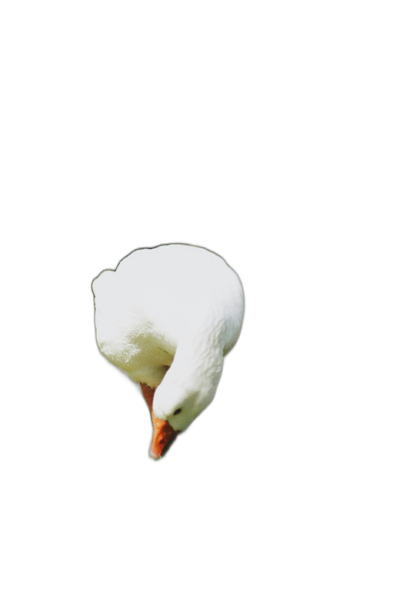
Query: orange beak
[(164, 436)]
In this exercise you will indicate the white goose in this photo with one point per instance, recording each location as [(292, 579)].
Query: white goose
[(177, 306)]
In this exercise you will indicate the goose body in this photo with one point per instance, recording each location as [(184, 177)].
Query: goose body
[(167, 316)]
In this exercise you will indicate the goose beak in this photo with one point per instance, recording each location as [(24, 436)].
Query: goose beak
[(163, 436)]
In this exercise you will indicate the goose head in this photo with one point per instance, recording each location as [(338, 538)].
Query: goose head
[(187, 389)]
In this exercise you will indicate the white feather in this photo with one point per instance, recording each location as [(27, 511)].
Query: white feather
[(177, 306)]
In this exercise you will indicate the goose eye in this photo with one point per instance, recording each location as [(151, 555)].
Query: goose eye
[(178, 410)]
